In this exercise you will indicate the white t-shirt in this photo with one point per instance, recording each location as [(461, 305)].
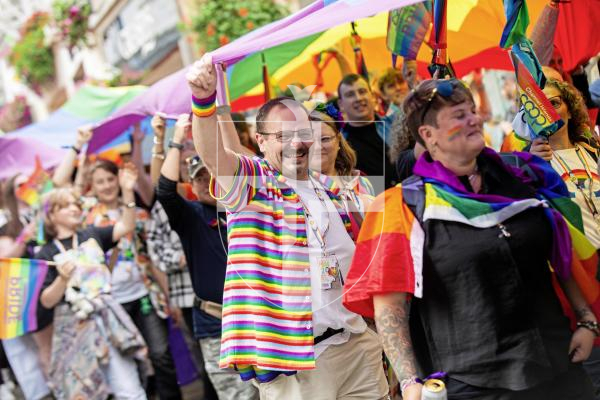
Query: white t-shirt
[(580, 170), (327, 307), (127, 283)]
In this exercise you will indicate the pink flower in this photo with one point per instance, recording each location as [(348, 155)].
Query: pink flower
[(67, 22), (74, 10)]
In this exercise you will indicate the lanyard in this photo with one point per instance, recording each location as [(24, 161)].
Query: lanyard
[(62, 249), (314, 226), (588, 198)]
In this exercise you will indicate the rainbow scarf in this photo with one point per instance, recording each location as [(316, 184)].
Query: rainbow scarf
[(391, 233), (20, 285)]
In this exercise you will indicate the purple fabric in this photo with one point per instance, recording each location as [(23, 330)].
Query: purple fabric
[(185, 368), (171, 96), (312, 19), (274, 27), (17, 155), (562, 248)]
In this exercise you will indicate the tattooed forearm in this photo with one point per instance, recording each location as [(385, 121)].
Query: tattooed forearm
[(391, 318)]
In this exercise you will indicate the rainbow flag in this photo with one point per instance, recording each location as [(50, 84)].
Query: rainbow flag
[(37, 184), (389, 250), (407, 27), (20, 285)]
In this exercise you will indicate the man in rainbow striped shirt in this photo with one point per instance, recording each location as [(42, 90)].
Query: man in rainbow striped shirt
[(290, 246)]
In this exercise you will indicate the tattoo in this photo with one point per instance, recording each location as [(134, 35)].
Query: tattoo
[(582, 312), (392, 326)]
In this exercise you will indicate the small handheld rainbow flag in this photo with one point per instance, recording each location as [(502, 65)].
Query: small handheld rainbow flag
[(407, 27), (359, 57), (20, 285), (37, 184)]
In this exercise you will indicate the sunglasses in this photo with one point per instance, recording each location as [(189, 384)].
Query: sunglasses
[(444, 88)]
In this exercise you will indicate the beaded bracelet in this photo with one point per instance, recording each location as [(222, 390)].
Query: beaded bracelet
[(590, 325), (203, 108)]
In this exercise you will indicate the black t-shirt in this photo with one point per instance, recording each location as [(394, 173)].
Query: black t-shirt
[(405, 164), (489, 316), (371, 153), (101, 235)]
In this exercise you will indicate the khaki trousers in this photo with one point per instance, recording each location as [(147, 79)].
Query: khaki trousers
[(353, 370)]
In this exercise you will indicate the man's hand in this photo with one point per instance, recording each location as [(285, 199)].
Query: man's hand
[(128, 177), (158, 125), (176, 315), (202, 77), (182, 128), (84, 135), (541, 148)]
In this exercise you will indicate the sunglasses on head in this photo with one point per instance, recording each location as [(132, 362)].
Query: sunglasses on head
[(444, 88)]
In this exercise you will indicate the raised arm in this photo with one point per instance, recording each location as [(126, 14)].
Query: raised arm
[(64, 171), (391, 317), (158, 148), (144, 184), (126, 224), (170, 167), (231, 139), (220, 162)]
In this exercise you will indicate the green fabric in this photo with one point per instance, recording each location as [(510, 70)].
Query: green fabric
[(518, 30), (93, 102), (247, 73)]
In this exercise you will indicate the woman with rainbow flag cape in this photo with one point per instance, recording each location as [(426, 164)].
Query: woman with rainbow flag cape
[(488, 261), (95, 343)]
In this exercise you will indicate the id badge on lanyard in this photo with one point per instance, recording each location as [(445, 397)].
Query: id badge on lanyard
[(331, 274)]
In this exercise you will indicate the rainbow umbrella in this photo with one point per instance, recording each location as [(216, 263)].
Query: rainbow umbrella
[(88, 105), (474, 30)]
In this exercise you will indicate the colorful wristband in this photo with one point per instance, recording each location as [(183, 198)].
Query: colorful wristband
[(203, 108)]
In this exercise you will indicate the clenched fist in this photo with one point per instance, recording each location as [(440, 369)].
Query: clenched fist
[(202, 77)]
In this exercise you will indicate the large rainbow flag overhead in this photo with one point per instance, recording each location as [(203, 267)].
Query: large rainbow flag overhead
[(20, 285)]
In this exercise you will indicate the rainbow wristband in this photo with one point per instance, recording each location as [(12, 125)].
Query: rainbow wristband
[(203, 108)]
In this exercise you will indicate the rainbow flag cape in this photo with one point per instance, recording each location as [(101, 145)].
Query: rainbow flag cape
[(37, 184), (20, 285), (407, 27), (392, 236)]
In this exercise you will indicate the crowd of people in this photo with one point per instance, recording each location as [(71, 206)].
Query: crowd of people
[(347, 249)]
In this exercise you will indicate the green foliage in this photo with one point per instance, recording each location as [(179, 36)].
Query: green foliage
[(72, 18), (221, 21), (31, 57)]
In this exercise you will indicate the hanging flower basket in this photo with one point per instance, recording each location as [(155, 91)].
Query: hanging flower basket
[(31, 56), (72, 18), (220, 21)]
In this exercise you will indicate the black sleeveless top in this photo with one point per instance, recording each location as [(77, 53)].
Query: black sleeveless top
[(489, 316)]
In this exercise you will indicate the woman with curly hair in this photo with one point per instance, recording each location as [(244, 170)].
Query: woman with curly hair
[(573, 153)]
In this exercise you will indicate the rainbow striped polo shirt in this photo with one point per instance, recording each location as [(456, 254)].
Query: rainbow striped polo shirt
[(267, 316)]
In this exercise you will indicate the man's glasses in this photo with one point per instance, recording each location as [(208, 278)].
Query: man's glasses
[(556, 102), (304, 135)]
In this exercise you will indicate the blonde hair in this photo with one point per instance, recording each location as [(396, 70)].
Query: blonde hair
[(345, 161), (53, 200)]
